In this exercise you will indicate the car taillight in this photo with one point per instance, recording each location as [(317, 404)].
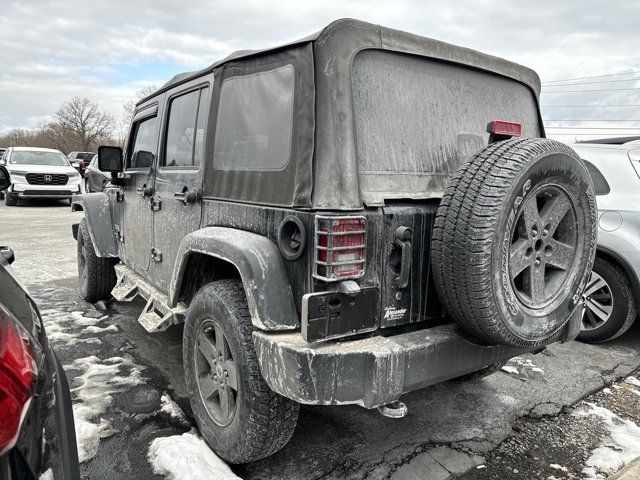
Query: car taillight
[(340, 247), (18, 371)]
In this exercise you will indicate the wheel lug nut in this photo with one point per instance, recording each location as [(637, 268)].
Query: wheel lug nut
[(226, 374), (545, 233), (537, 262), (534, 233)]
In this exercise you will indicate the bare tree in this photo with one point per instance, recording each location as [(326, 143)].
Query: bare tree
[(79, 124), (130, 105)]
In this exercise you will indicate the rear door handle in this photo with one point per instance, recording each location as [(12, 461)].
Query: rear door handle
[(186, 197)]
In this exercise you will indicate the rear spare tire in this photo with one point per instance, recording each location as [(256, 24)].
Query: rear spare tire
[(514, 241)]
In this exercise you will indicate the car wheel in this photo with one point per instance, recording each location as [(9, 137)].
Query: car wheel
[(610, 308), (97, 275), (87, 188), (513, 241), (241, 418), (10, 200)]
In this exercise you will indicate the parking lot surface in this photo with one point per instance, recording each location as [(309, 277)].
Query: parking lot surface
[(450, 428)]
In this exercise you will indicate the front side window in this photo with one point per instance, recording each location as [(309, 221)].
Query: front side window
[(185, 129), (255, 122), (145, 144)]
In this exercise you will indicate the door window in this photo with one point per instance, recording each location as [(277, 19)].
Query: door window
[(185, 130), (145, 144)]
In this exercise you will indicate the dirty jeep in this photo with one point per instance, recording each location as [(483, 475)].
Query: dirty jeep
[(340, 220)]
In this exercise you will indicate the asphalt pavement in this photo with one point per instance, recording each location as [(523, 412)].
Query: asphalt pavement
[(450, 429)]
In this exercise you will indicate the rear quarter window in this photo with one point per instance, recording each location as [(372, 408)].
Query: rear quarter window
[(600, 183), (255, 122)]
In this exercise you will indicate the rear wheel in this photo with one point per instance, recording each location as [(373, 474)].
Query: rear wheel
[(97, 275), (610, 308), (238, 414), (513, 241)]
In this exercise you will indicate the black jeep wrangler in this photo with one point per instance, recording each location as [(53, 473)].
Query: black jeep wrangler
[(340, 220)]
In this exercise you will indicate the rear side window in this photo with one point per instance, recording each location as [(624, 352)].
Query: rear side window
[(145, 144), (599, 182), (255, 121), (185, 129)]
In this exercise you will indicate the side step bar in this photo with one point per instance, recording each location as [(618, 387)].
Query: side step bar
[(156, 316)]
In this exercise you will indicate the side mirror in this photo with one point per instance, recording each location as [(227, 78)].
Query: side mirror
[(5, 180), (3, 162), (110, 159), (8, 254)]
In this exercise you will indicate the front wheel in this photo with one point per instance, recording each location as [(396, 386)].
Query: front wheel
[(610, 308), (10, 200), (241, 418), (97, 275)]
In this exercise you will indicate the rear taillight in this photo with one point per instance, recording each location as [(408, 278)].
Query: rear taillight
[(18, 371), (340, 247)]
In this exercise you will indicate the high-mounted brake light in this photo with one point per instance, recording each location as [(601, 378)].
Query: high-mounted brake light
[(18, 371), (340, 247), (505, 129)]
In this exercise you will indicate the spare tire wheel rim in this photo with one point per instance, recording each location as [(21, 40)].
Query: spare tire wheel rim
[(216, 373), (598, 302), (544, 245)]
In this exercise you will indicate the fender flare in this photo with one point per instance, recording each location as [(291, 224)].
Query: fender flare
[(97, 211), (261, 268)]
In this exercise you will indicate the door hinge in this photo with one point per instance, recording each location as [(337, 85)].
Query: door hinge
[(155, 203), (119, 234), (156, 255)]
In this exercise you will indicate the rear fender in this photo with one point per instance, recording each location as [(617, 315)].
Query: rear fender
[(261, 269), (97, 211)]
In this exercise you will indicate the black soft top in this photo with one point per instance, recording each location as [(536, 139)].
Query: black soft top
[(324, 171), (346, 36)]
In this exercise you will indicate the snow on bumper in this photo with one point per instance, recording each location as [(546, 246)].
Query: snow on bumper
[(369, 372)]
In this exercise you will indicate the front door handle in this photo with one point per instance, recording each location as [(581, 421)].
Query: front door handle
[(144, 191), (186, 196), (403, 241)]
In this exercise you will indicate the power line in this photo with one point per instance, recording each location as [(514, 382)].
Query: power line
[(589, 120), (586, 106), (591, 83), (592, 128), (583, 91), (595, 76)]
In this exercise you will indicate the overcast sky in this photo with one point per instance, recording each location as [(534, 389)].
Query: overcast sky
[(107, 50)]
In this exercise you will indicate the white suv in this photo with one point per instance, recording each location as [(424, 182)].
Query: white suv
[(612, 297), (39, 173)]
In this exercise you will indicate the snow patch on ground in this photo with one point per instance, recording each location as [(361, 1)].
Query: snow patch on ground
[(632, 381), (510, 369), (68, 327), (171, 408), (621, 446), (93, 390), (187, 457), (522, 366)]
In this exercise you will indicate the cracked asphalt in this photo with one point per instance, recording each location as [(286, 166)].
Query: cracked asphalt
[(450, 428)]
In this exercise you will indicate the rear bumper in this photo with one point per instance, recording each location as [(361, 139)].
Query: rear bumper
[(372, 371), (375, 371)]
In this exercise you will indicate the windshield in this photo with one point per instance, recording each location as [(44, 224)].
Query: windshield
[(85, 155), (34, 157)]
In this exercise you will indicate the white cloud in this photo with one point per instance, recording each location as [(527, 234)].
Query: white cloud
[(51, 50)]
